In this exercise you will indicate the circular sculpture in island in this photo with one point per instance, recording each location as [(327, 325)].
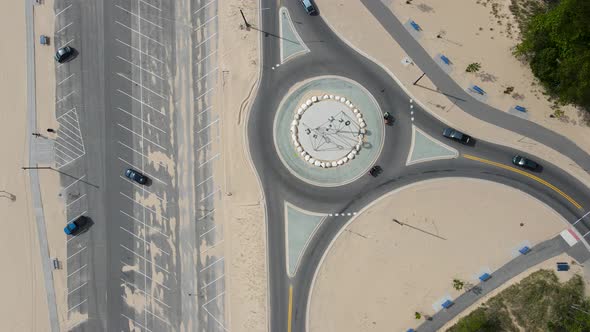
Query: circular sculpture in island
[(327, 131)]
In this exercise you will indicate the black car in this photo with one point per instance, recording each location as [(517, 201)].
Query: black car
[(309, 8), (136, 176), (456, 135), (375, 171), (63, 54), (523, 162)]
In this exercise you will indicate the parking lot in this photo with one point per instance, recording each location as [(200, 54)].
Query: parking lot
[(133, 250)]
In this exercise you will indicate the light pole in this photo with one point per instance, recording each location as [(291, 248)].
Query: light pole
[(244, 17)]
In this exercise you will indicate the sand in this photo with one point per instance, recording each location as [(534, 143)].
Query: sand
[(24, 303), (243, 212), (372, 40), (378, 273)]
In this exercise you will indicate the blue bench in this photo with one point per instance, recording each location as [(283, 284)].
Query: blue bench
[(524, 250), (563, 266), (520, 108), (447, 304), (485, 277), (479, 90), (411, 330), (445, 59), (415, 26)]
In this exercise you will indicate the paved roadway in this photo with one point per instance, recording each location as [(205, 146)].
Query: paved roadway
[(329, 55), (139, 94)]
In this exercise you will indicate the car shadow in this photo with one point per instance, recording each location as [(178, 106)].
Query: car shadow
[(472, 142), (539, 169), (72, 56), (84, 223)]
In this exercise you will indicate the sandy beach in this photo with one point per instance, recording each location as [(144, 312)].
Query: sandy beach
[(402, 269), (372, 40), (243, 212), (24, 304)]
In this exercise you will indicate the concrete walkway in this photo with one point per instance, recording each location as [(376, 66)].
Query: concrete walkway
[(538, 254)]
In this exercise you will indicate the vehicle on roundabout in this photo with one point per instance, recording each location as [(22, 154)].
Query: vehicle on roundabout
[(456, 135), (388, 118), (309, 7), (523, 162), (375, 171)]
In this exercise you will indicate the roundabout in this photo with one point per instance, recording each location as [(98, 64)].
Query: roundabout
[(328, 131)]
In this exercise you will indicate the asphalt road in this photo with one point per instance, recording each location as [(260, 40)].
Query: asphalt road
[(330, 56)]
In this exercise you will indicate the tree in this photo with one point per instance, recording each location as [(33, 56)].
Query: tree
[(556, 44), (473, 67), (458, 284)]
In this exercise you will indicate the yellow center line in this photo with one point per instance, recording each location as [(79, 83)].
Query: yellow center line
[(289, 315), (536, 178)]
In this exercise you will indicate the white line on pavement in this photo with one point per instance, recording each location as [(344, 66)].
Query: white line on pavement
[(145, 259), (144, 275), (209, 125), (205, 216), (63, 10), (144, 224), (140, 119), (64, 97), (74, 201), (212, 282), (139, 33), (207, 144), (144, 206), (75, 289), (62, 29), (211, 247), (77, 252), (204, 76), (143, 138), (140, 67), (140, 101), (205, 58), (73, 183), (207, 232), (144, 172), (206, 162), (141, 290), (211, 264), (144, 241), (205, 23), (137, 323), (77, 305), (211, 194), (204, 93), (149, 4), (139, 17), (141, 154), (65, 79), (78, 270), (150, 90), (207, 39), (142, 188), (213, 299), (207, 179), (205, 6), (205, 110), (584, 216)]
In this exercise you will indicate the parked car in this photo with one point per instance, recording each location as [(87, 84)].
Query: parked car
[(456, 135), (523, 162), (136, 176), (76, 226), (63, 54), (309, 7), (375, 171)]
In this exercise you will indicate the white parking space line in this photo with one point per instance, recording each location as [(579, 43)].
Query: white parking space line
[(208, 143), (577, 221), (588, 232), (207, 232), (73, 183), (144, 241), (211, 247), (139, 33), (62, 29), (205, 76), (205, 58), (61, 116), (75, 289), (136, 323), (141, 68), (64, 97), (205, 110), (206, 39), (212, 282), (139, 17), (65, 79), (205, 216), (209, 160), (215, 319), (140, 51), (149, 4), (204, 93), (143, 121), (207, 126), (74, 201), (142, 188), (211, 264), (77, 305), (68, 43), (66, 148), (211, 194), (78, 270), (144, 275), (137, 83), (207, 179), (144, 172), (145, 259), (213, 299), (141, 154), (144, 224), (142, 291), (63, 10), (144, 206), (205, 23), (143, 138), (140, 101), (64, 141), (158, 317), (77, 252), (205, 6)]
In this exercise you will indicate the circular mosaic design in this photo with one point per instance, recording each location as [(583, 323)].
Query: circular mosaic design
[(328, 131)]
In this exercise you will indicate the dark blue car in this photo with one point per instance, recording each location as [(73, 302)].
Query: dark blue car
[(136, 176)]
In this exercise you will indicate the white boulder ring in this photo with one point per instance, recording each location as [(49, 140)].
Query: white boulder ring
[(352, 116)]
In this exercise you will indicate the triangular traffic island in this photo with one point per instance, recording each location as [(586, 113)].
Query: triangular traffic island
[(425, 148), (291, 43), (300, 227)]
